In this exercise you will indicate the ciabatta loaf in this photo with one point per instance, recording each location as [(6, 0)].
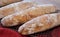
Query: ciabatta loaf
[(28, 14), (40, 23), (15, 7)]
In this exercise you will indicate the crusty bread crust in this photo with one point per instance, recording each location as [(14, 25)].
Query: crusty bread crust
[(40, 23), (28, 14), (6, 2), (15, 7)]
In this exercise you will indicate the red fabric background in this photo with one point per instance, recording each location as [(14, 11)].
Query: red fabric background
[(52, 33)]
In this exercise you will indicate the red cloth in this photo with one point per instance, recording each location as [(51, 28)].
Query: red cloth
[(54, 33), (4, 32)]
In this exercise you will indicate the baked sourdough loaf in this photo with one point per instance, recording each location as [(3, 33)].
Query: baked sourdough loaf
[(6, 2), (15, 7), (28, 14), (40, 23)]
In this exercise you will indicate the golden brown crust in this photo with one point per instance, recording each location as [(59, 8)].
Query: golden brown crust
[(15, 7), (6, 2), (26, 15), (40, 23)]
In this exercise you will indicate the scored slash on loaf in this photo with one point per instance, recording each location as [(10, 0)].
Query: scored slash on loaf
[(15, 7), (28, 14), (40, 23)]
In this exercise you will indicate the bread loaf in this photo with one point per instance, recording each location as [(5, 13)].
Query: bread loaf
[(28, 14), (15, 7), (40, 23)]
